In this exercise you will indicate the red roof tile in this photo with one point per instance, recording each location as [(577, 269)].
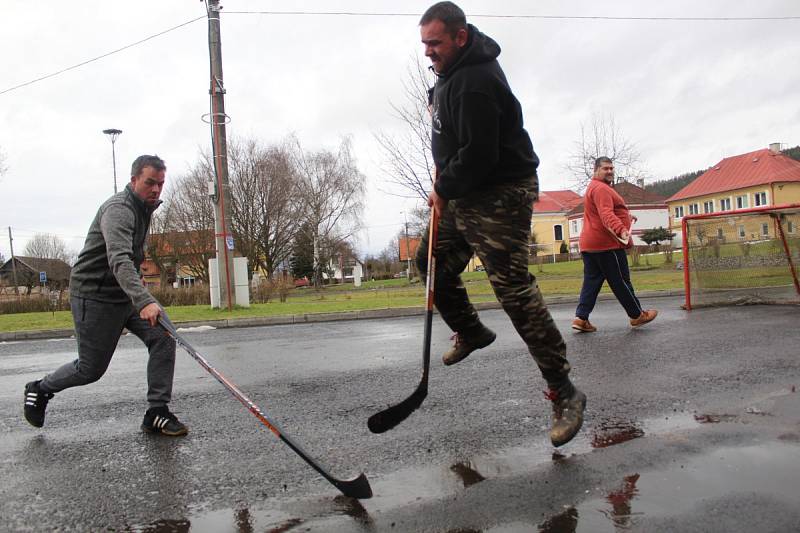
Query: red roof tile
[(556, 201), (633, 195), (761, 167)]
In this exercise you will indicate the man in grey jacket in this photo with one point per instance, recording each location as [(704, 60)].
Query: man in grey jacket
[(107, 295)]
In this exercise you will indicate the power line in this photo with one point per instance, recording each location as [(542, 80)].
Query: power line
[(543, 17), (378, 14), (82, 63)]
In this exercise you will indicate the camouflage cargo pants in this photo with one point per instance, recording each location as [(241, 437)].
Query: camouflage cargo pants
[(495, 225)]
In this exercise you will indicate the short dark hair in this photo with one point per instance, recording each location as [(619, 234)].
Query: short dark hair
[(147, 161), (450, 14), (600, 160)]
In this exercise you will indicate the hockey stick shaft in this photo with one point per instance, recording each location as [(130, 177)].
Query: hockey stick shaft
[(356, 488), (393, 415)]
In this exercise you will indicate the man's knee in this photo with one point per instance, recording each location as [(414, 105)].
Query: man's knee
[(90, 373)]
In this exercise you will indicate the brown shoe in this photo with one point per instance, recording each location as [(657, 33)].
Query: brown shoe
[(583, 325), (463, 345), (567, 414), (644, 318)]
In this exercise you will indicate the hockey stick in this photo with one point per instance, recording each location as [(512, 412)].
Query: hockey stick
[(355, 488), (393, 415)]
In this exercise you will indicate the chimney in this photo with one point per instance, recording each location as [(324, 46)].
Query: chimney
[(775, 148)]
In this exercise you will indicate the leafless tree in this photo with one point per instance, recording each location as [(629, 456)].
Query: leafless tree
[(189, 221), (160, 249), (47, 246), (407, 157), (265, 210), (331, 189), (603, 137)]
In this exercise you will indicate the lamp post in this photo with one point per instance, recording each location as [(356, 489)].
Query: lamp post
[(113, 134)]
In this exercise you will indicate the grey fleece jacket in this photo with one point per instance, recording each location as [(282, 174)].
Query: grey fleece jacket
[(107, 269)]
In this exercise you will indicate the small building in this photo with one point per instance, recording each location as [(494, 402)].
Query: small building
[(30, 269), (762, 178), (549, 221), (650, 210)]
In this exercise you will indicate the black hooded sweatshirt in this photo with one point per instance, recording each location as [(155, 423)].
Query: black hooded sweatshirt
[(478, 139)]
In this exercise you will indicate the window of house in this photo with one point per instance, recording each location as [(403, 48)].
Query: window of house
[(790, 226), (708, 207), (765, 229), (558, 232), (573, 227), (720, 234), (760, 198), (741, 202), (741, 232), (694, 209), (725, 204), (679, 211)]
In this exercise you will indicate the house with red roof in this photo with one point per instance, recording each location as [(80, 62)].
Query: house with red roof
[(549, 222), (762, 178), (650, 210)]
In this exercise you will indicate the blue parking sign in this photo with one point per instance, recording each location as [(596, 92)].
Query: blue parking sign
[(42, 277)]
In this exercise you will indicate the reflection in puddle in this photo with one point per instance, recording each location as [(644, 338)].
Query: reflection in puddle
[(640, 495), (610, 432), (565, 522), (620, 501), (714, 419), (469, 476), (769, 470)]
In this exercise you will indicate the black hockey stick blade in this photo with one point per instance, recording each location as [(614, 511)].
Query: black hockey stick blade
[(355, 488), (390, 417)]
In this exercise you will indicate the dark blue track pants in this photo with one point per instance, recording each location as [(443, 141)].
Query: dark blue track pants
[(610, 266)]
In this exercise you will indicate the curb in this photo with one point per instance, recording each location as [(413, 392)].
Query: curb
[(310, 318)]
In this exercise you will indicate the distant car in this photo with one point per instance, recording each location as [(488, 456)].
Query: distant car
[(403, 274), (302, 282), (480, 268)]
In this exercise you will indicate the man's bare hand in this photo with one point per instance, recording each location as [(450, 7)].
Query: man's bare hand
[(437, 202), (150, 313), (625, 235)]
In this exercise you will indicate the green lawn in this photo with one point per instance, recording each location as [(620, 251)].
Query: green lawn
[(561, 279)]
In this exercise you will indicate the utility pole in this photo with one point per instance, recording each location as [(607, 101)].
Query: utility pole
[(13, 262), (113, 134), (222, 198)]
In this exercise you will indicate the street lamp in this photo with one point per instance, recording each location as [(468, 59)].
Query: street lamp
[(113, 134)]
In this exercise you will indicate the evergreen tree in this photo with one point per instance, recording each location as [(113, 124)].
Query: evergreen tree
[(656, 235), (302, 261)]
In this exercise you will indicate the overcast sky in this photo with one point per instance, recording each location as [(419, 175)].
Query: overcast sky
[(688, 93)]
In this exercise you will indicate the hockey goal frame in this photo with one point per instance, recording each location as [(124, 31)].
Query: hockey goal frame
[(723, 214)]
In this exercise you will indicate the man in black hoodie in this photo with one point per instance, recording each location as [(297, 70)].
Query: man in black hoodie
[(107, 295), (484, 192)]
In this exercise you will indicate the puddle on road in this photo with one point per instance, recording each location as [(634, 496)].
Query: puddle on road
[(413, 485), (770, 469)]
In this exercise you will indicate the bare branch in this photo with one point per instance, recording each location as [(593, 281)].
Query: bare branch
[(603, 137), (407, 157)]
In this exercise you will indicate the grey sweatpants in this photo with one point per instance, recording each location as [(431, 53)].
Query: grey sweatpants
[(98, 326)]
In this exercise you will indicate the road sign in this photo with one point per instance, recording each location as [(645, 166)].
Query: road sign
[(42, 277)]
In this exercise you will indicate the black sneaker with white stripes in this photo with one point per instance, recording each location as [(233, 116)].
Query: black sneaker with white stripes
[(160, 420), (35, 403)]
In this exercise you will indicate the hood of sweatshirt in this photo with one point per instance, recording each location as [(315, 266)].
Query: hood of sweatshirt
[(480, 48)]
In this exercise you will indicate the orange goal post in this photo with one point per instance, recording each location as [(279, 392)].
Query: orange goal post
[(747, 256)]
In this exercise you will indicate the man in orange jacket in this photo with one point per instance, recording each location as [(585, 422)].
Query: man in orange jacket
[(605, 235)]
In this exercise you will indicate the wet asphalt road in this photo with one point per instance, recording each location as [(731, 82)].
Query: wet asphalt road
[(692, 425)]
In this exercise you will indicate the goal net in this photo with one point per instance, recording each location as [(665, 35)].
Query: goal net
[(750, 256)]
